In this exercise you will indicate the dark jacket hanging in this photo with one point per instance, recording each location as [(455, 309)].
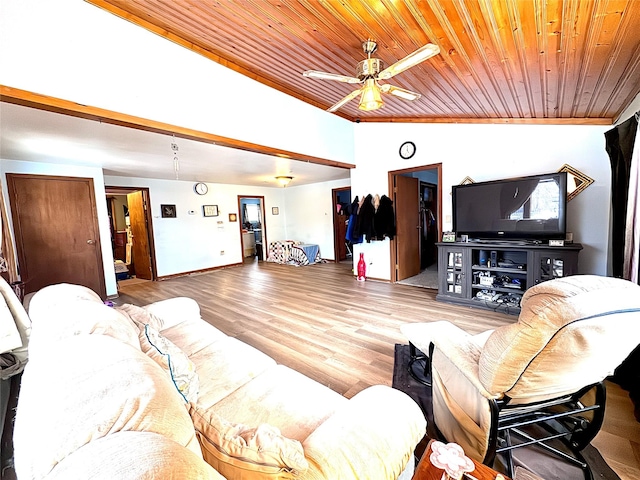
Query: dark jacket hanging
[(384, 221), (364, 225), (619, 145)]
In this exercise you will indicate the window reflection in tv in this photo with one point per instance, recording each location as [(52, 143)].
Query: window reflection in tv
[(521, 208)]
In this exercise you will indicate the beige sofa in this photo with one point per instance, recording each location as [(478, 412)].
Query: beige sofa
[(153, 392)]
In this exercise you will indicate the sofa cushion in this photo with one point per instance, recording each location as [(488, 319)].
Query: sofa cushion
[(227, 365), (61, 311), (179, 368), (284, 398), (174, 311), (134, 456), (193, 335), (141, 316), (241, 452), (86, 387)]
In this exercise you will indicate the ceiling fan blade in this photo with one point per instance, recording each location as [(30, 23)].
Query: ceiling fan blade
[(346, 99), (331, 76), (420, 55), (400, 92)]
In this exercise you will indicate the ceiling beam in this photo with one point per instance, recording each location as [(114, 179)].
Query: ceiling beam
[(66, 107)]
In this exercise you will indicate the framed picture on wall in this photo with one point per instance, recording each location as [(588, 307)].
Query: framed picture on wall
[(233, 217), (210, 210), (168, 211)]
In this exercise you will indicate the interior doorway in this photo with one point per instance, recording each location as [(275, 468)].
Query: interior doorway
[(341, 199), (131, 230), (417, 197), (253, 227)]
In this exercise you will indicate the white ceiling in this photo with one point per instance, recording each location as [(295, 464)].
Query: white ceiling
[(32, 135)]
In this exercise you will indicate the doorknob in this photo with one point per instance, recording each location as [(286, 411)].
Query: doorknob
[(91, 242)]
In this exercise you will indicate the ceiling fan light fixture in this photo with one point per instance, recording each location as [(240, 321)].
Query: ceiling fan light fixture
[(371, 98), (283, 180)]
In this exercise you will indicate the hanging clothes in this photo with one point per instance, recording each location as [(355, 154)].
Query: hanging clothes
[(364, 226), (384, 220), (353, 220)]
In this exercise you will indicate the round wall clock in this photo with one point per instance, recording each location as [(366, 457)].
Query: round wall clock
[(201, 188), (407, 150)]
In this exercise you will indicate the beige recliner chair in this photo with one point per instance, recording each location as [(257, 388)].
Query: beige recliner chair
[(540, 380)]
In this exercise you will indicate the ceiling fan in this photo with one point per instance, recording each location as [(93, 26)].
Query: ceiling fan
[(370, 71)]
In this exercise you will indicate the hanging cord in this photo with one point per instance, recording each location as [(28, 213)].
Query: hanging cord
[(176, 160)]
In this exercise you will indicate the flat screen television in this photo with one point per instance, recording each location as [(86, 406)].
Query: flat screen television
[(525, 208)]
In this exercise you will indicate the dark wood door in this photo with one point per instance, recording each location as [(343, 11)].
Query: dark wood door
[(56, 229), (139, 229), (407, 225)]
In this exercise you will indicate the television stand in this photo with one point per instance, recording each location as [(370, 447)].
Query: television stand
[(495, 274)]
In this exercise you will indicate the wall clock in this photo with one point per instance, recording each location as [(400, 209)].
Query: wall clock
[(201, 188), (407, 150)]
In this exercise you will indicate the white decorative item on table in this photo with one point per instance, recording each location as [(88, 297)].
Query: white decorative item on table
[(451, 459)]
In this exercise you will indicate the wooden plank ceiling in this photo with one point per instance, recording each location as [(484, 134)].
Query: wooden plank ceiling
[(531, 61)]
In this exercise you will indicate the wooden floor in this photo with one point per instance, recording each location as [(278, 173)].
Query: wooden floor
[(321, 322)]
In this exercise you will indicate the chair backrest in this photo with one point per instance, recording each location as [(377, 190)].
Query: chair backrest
[(571, 332)]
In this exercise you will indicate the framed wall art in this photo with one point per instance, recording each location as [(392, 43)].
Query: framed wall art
[(210, 210), (233, 217), (168, 211)]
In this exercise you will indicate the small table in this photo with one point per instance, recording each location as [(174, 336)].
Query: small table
[(426, 471)]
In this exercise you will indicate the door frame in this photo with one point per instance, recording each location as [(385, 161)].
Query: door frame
[(263, 227), (392, 189), (147, 214), (334, 203)]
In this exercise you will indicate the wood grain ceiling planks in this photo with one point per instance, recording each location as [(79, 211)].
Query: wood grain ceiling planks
[(535, 61)]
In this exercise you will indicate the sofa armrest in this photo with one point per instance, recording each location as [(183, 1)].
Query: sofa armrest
[(173, 311), (373, 436)]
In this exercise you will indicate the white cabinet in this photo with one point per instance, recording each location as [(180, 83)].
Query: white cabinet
[(249, 244)]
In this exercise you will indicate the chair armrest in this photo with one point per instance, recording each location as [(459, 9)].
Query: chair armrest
[(373, 436), (173, 311), (462, 407)]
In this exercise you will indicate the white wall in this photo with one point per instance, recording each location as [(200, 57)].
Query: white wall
[(75, 51), (11, 166), (309, 214), (489, 152), (193, 242)]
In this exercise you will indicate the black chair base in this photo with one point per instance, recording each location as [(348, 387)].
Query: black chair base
[(420, 362)]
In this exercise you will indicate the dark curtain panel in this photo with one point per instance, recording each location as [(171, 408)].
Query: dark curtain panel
[(619, 145), (620, 141)]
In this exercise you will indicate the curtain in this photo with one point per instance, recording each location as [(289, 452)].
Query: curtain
[(632, 227), (620, 141)]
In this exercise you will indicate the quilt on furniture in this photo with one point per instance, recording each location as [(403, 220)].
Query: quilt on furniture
[(290, 252)]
